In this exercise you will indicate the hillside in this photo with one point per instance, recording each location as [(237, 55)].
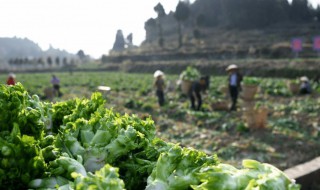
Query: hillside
[(18, 47), (223, 43), (259, 52), (21, 50), (229, 29)]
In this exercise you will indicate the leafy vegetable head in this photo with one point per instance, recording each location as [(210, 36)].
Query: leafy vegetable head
[(190, 73), (251, 81)]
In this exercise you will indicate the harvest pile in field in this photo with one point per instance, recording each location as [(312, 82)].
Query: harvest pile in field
[(79, 144)]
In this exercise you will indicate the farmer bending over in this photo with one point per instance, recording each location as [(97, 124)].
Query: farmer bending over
[(56, 85), (195, 92), (305, 87)]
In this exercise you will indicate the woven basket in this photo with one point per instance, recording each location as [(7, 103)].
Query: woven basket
[(186, 86), (49, 93), (248, 92), (248, 105), (256, 118), (293, 87), (220, 106), (224, 90)]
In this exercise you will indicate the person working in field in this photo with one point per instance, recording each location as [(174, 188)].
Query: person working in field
[(234, 83), (195, 92), (11, 79), (159, 84), (56, 85), (305, 87)]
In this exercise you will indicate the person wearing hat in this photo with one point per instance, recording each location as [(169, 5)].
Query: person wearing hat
[(11, 79), (55, 81), (159, 84), (305, 87), (195, 92), (234, 83)]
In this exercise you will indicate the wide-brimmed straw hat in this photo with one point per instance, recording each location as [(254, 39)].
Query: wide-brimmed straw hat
[(231, 67), (158, 73), (304, 79)]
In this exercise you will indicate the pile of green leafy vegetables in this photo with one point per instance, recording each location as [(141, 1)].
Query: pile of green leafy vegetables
[(79, 144), (251, 81), (190, 74)]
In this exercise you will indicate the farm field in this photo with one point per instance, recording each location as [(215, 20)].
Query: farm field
[(291, 135)]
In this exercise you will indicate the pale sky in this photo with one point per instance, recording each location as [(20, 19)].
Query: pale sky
[(90, 25)]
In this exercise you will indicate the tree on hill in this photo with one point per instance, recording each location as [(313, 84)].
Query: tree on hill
[(200, 20), (317, 13), (57, 61), (181, 14), (300, 10), (284, 9), (251, 13), (161, 13), (81, 54), (209, 11), (49, 61), (231, 14)]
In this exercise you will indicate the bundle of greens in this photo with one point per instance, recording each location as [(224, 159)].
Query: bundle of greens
[(254, 175), (25, 150), (99, 136), (28, 112), (251, 81), (190, 74), (177, 168)]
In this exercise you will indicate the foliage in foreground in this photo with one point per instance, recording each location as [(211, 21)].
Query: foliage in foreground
[(79, 144)]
